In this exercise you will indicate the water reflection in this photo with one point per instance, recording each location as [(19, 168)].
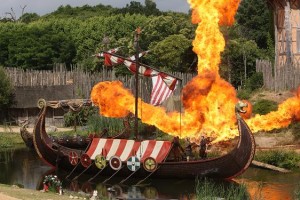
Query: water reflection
[(270, 185), (118, 191), (22, 166)]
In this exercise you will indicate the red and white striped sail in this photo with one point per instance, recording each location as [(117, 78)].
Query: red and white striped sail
[(99, 55), (127, 148), (112, 60), (162, 84)]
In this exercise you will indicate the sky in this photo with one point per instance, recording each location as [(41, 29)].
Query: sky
[(42, 7)]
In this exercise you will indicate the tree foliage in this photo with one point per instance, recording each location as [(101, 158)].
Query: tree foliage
[(171, 51), (29, 17), (71, 35), (255, 20), (240, 59), (6, 91)]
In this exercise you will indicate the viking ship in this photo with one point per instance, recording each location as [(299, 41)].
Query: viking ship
[(121, 156), (124, 157)]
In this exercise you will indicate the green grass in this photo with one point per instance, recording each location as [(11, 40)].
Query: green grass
[(281, 158), (210, 190), (9, 139), (297, 192)]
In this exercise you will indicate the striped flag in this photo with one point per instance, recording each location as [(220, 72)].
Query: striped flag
[(162, 84), (162, 87)]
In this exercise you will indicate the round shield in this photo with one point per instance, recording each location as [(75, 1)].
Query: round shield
[(100, 161), (85, 160), (73, 158), (133, 163), (115, 163), (150, 164)]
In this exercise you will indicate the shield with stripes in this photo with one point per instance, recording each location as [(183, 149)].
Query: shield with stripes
[(133, 163)]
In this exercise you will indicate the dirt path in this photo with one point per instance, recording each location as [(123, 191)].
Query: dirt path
[(5, 197), (16, 129)]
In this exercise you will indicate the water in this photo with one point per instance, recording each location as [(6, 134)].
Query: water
[(23, 167)]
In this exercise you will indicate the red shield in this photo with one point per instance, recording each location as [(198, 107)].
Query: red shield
[(115, 163), (73, 158), (85, 160)]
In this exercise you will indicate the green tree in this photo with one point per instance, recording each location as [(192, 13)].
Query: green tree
[(6, 91), (255, 20), (29, 17), (171, 51), (40, 49), (239, 59), (150, 8)]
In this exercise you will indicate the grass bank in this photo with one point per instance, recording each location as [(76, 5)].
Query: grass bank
[(209, 190), (287, 159), (10, 139), (7, 191)]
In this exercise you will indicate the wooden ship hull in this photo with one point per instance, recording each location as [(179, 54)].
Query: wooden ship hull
[(71, 142), (225, 167)]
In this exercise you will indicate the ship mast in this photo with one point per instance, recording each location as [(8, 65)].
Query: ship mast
[(136, 45)]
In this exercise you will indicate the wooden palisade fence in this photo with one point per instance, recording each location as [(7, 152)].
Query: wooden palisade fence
[(281, 77), (82, 80)]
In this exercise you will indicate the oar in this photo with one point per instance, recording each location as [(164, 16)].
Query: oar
[(96, 174), (112, 175), (76, 177), (138, 183), (67, 177), (128, 176)]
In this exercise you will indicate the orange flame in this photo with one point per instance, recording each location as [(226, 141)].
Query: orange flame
[(208, 100), (287, 112)]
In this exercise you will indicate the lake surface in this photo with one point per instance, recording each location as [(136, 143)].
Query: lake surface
[(23, 167)]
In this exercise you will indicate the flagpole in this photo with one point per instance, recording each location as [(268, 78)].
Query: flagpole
[(136, 44), (137, 63)]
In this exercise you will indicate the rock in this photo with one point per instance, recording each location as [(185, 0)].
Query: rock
[(51, 129)]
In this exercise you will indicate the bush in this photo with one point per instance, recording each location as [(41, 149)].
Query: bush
[(255, 82), (279, 158), (79, 118), (295, 129), (244, 94), (264, 106)]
